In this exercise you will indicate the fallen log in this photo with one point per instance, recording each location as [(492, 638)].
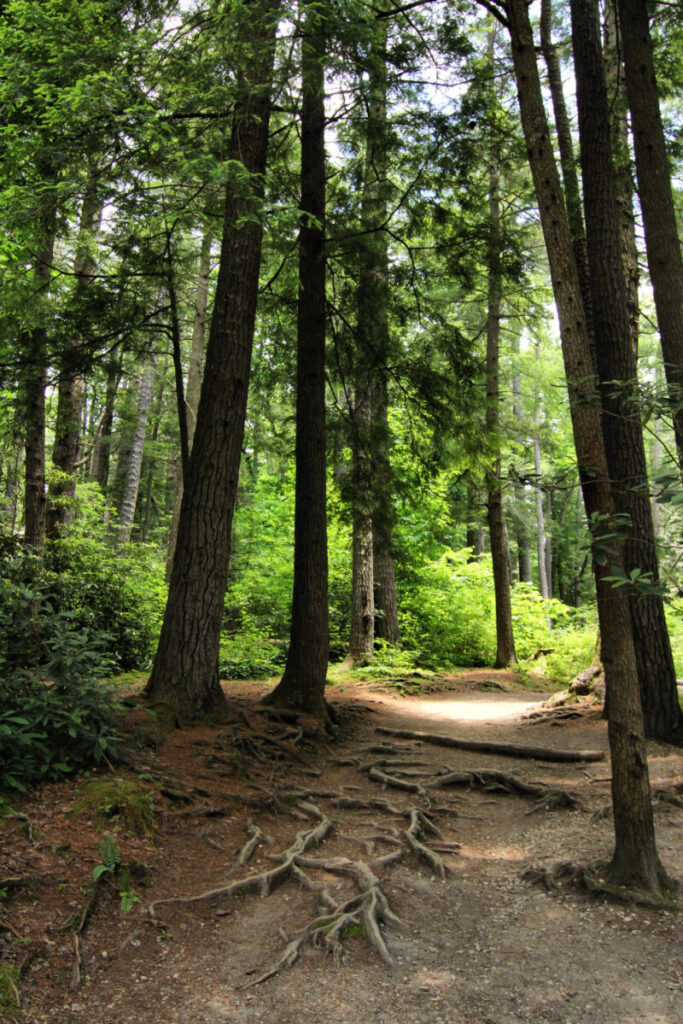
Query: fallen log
[(490, 747)]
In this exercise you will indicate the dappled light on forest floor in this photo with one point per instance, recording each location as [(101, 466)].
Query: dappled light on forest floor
[(368, 823)]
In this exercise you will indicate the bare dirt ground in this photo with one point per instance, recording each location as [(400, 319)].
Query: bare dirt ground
[(480, 945)]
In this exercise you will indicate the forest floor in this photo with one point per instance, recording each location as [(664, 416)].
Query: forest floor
[(475, 938)]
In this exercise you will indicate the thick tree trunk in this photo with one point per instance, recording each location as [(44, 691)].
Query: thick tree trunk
[(71, 386), (303, 682), (622, 430), (664, 257), (185, 672), (633, 861), (194, 379), (131, 485)]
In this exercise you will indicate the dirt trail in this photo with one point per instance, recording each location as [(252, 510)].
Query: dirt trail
[(481, 946)]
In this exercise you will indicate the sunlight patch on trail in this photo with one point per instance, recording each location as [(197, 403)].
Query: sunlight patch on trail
[(473, 708)]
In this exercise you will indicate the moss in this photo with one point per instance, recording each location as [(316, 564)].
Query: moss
[(122, 801), (10, 980)]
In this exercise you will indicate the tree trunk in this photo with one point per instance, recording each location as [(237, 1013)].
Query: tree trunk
[(475, 536), (568, 164), (656, 197), (362, 631), (131, 484), (540, 519), (194, 379), (622, 430), (505, 645), (102, 449), (635, 859), (32, 391), (630, 793), (185, 672), (521, 526), (303, 682), (150, 464), (71, 386)]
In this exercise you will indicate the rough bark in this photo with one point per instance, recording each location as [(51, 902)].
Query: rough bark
[(303, 682), (129, 498), (185, 672), (633, 823), (521, 528), (616, 361), (653, 171)]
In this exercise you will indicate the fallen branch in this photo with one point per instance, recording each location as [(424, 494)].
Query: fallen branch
[(489, 747)]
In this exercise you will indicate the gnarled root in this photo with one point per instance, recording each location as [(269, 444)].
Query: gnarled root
[(366, 911)]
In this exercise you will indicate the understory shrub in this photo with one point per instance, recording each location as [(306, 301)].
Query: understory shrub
[(118, 594), (250, 654), (448, 618), (55, 715)]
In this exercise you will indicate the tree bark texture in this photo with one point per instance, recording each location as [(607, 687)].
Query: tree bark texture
[(630, 794), (616, 361), (653, 171), (185, 672), (303, 682)]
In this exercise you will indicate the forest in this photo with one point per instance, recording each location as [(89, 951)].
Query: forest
[(341, 346)]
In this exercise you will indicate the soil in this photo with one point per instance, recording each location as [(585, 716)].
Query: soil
[(485, 944)]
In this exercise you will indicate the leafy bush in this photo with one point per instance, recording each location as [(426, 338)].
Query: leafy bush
[(448, 613), (250, 654), (117, 594), (54, 714)]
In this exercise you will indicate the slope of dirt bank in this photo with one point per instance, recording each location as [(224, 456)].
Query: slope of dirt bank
[(480, 945)]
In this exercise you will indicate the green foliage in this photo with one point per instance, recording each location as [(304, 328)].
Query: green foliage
[(10, 980), (113, 865), (117, 595), (55, 716), (448, 614), (250, 654)]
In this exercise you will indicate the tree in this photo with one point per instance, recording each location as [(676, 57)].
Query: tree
[(303, 681), (635, 859), (185, 672), (664, 257)]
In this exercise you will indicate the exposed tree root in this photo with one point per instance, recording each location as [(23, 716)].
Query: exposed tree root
[(366, 911), (506, 749), (419, 825), (263, 881), (547, 797), (245, 852), (567, 874)]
